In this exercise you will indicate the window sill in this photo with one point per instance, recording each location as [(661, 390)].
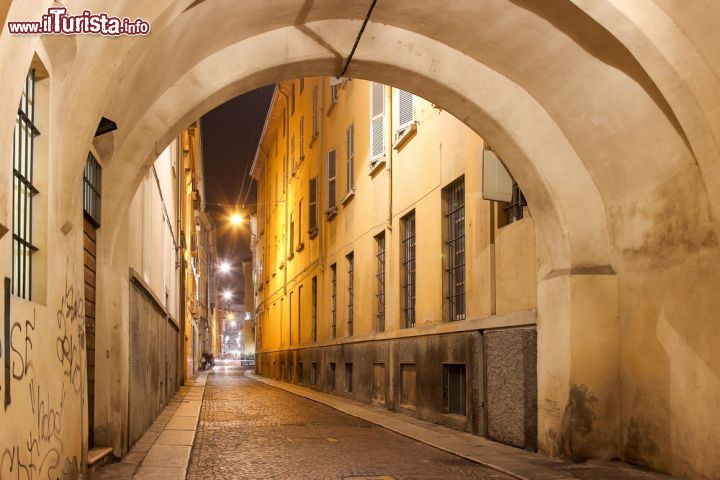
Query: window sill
[(350, 195), (403, 136), (300, 247), (331, 213), (376, 166), (312, 233)]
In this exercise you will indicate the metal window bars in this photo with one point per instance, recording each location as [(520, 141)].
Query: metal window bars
[(333, 270), (408, 263), (92, 180), (23, 190), (350, 289), (455, 218), (380, 280)]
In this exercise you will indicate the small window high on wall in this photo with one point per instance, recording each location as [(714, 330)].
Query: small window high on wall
[(92, 193), (24, 190)]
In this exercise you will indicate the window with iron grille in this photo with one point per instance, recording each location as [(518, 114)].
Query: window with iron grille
[(408, 269), (455, 248), (92, 180), (312, 207), (380, 281), (315, 126), (314, 309), (350, 257), (333, 317), (454, 388), (350, 159), (405, 109), (377, 121), (331, 180), (514, 209), (23, 190)]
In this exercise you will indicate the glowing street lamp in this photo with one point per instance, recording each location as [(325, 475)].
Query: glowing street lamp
[(236, 219), (227, 295), (224, 267)]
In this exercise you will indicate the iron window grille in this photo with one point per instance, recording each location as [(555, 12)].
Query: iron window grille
[(380, 281), (333, 317), (455, 219), (454, 389), (92, 181), (350, 289), (314, 309), (23, 190), (408, 264), (514, 209)]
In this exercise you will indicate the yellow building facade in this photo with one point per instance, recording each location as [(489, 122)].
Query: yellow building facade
[(381, 273)]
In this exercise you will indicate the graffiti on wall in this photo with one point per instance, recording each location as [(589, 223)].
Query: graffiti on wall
[(39, 450)]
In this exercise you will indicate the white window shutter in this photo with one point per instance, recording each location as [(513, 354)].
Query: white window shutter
[(331, 179), (377, 120), (405, 109)]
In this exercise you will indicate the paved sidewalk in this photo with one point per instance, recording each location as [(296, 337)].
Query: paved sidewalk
[(163, 452), (515, 462)]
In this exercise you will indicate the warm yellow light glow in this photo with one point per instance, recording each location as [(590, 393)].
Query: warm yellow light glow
[(230, 315), (233, 323), (236, 219), (227, 294), (224, 267)]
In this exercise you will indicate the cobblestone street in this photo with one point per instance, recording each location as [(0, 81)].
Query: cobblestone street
[(250, 430)]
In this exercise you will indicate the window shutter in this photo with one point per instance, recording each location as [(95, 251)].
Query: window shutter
[(350, 163), (292, 155), (312, 204), (332, 180), (315, 111), (302, 137), (377, 120), (405, 108)]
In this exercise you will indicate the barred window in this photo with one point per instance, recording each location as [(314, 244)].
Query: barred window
[(455, 245), (350, 159), (408, 267), (333, 317), (350, 257), (380, 281), (23, 190), (314, 309), (92, 181)]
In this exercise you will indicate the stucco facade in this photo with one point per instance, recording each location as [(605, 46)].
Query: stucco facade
[(605, 113)]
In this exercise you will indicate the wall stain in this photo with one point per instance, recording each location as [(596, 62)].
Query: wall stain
[(577, 420)]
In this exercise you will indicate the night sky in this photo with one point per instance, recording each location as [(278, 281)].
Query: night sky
[(230, 134)]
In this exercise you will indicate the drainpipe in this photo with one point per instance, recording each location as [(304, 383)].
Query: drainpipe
[(285, 183)]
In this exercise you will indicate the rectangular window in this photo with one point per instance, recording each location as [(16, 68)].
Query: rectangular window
[(292, 99), (454, 388), (405, 109), (350, 257), (408, 269), (293, 162), (455, 248), (348, 377), (333, 94), (302, 85), (92, 180), (350, 159), (331, 376), (380, 281), (302, 138), (24, 191), (377, 121), (315, 126), (314, 309), (290, 321), (299, 229), (313, 373), (331, 180), (333, 313), (312, 207), (408, 385), (299, 315), (284, 122), (285, 172), (292, 236)]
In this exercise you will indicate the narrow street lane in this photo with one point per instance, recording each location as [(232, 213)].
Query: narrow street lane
[(251, 430)]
